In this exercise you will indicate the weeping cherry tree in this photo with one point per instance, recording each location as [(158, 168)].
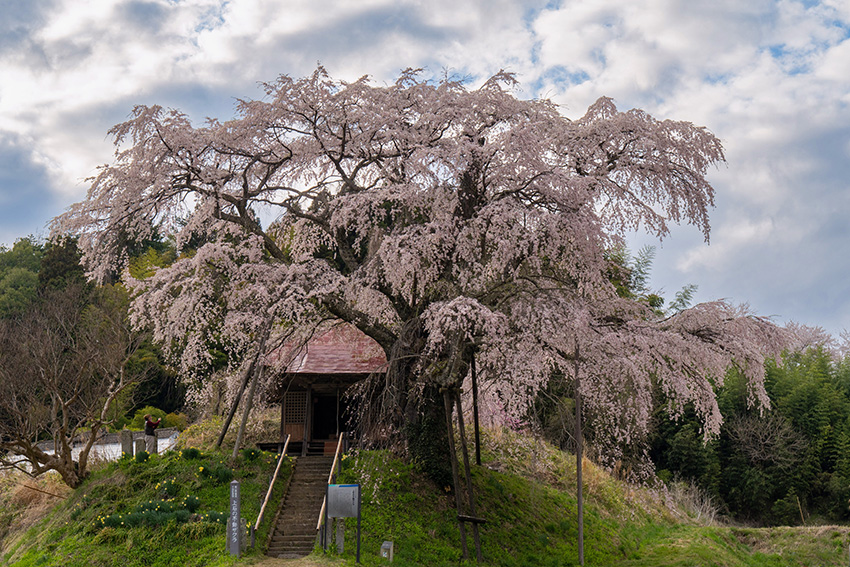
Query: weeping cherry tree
[(445, 222)]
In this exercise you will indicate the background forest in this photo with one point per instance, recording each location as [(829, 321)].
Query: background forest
[(788, 465), (32, 271)]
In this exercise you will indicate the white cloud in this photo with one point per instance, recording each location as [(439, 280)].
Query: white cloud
[(737, 234), (771, 78)]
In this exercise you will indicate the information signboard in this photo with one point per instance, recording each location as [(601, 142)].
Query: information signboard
[(343, 500)]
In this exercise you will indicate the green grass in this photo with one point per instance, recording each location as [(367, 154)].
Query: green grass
[(524, 491), (528, 522), (159, 512), (530, 508)]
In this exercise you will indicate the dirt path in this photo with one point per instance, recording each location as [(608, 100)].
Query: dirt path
[(311, 561)]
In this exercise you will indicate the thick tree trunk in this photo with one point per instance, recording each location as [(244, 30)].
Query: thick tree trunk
[(68, 469), (427, 438)]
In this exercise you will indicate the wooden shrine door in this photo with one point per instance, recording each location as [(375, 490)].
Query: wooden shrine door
[(294, 415)]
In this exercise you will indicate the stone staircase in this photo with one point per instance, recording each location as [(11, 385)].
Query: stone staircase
[(295, 533)]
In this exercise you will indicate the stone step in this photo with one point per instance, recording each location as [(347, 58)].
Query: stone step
[(307, 530), (288, 555), (306, 522), (306, 496), (291, 529), (285, 550), (298, 503), (296, 553), (284, 524), (302, 506), (301, 529), (307, 491), (295, 533), (307, 488), (297, 520), (304, 548), (307, 535), (306, 499)]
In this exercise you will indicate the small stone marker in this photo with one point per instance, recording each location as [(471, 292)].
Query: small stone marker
[(126, 438), (387, 550), (234, 529), (140, 446)]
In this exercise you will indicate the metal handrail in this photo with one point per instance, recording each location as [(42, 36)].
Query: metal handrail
[(330, 480), (269, 492)]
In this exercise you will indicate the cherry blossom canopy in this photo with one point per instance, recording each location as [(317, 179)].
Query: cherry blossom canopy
[(443, 222)]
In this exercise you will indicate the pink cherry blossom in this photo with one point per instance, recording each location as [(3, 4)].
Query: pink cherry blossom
[(444, 222)]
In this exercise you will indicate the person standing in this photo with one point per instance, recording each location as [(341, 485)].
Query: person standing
[(150, 433)]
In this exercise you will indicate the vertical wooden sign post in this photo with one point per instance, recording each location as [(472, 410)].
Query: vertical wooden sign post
[(234, 530)]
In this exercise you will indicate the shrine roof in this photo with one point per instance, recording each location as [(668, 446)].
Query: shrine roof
[(341, 349)]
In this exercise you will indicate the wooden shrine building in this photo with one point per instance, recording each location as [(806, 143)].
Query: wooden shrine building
[(310, 388)]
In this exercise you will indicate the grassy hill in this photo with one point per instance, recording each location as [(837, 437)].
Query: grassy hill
[(172, 507), (526, 492)]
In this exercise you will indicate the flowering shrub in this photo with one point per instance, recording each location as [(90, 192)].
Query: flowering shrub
[(167, 488), (151, 513), (251, 454), (215, 517), (159, 512), (192, 503), (220, 472)]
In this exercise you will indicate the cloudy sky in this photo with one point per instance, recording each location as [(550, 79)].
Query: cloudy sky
[(771, 78)]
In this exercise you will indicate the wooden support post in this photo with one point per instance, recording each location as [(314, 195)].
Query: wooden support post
[(308, 421), (447, 402), (249, 371), (259, 372), (579, 487), (469, 491), (282, 419), (475, 414)]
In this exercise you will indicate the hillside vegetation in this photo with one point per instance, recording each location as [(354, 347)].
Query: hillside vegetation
[(147, 511), (524, 490), (786, 466)]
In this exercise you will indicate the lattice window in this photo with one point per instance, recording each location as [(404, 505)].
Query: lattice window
[(296, 408)]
